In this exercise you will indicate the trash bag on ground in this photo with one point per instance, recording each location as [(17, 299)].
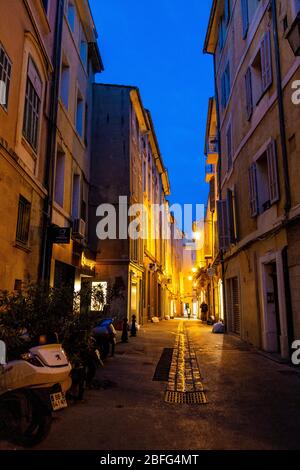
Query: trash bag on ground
[(218, 328)]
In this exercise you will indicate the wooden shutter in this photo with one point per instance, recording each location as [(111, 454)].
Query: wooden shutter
[(266, 61), (223, 225), (245, 17), (235, 295), (253, 195), (223, 91), (249, 95), (212, 194), (227, 11), (273, 172), (229, 148), (231, 216)]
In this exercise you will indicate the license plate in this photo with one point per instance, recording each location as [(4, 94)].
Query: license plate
[(58, 401)]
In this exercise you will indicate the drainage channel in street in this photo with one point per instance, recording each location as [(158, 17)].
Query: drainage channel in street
[(179, 367), (184, 384)]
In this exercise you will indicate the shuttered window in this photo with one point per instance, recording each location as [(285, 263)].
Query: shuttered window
[(225, 86), (223, 225), (231, 216), (245, 17), (253, 195), (227, 11), (264, 181), (273, 172), (212, 194), (233, 306), (249, 94), (266, 62), (229, 147)]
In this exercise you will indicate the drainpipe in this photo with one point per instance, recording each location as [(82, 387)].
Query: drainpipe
[(283, 138), (51, 145), (288, 299), (288, 201), (220, 188)]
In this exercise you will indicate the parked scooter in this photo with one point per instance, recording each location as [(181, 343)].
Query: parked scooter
[(31, 388)]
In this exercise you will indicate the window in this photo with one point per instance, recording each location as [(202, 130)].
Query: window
[(5, 75), (79, 114), (249, 96), (76, 196), (212, 194), (23, 223), (32, 105), (60, 178), (221, 34), (65, 84), (83, 49), (86, 124), (225, 86), (248, 8), (233, 306), (227, 11), (144, 176), (227, 220), (45, 5), (83, 210), (263, 181), (231, 216), (285, 23), (229, 147), (223, 225), (261, 71), (71, 13)]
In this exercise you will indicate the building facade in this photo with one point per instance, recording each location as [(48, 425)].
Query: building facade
[(25, 76), (258, 147), (127, 170), (79, 61)]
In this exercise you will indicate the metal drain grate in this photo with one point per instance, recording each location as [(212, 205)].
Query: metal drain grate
[(186, 398), (163, 367)]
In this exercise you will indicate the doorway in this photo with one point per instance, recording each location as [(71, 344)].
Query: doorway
[(272, 310)]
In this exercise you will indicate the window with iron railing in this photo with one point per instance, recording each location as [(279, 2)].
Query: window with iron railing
[(23, 222)]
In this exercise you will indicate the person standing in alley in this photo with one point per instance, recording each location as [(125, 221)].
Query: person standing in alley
[(124, 337), (204, 311), (133, 328)]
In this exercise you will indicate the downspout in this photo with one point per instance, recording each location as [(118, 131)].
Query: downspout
[(288, 200), (220, 189), (45, 268), (283, 138), (288, 299)]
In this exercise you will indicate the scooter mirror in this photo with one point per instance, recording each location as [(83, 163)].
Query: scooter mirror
[(2, 353)]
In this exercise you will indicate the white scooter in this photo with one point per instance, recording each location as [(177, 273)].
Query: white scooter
[(30, 389)]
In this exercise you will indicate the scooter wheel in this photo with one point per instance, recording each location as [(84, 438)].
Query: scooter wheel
[(23, 422), (38, 429)]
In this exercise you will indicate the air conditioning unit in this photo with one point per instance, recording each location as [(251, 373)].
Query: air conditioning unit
[(78, 228)]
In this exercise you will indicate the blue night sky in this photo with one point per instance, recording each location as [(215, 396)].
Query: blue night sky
[(157, 46)]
